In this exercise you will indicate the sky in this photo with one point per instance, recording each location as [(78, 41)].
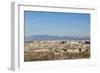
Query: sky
[(56, 24)]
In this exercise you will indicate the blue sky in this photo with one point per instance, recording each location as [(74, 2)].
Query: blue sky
[(57, 24)]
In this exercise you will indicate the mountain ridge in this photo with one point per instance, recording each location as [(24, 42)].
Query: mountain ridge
[(51, 37)]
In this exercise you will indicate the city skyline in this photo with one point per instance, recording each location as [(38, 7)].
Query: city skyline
[(56, 24)]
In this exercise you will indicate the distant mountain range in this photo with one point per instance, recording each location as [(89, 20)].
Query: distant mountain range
[(49, 37)]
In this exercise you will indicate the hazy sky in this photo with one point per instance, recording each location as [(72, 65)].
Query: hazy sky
[(58, 24)]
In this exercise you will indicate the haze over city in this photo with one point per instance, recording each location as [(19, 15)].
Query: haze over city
[(56, 25)]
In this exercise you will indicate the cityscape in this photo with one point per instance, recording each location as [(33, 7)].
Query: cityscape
[(56, 50), (56, 36)]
